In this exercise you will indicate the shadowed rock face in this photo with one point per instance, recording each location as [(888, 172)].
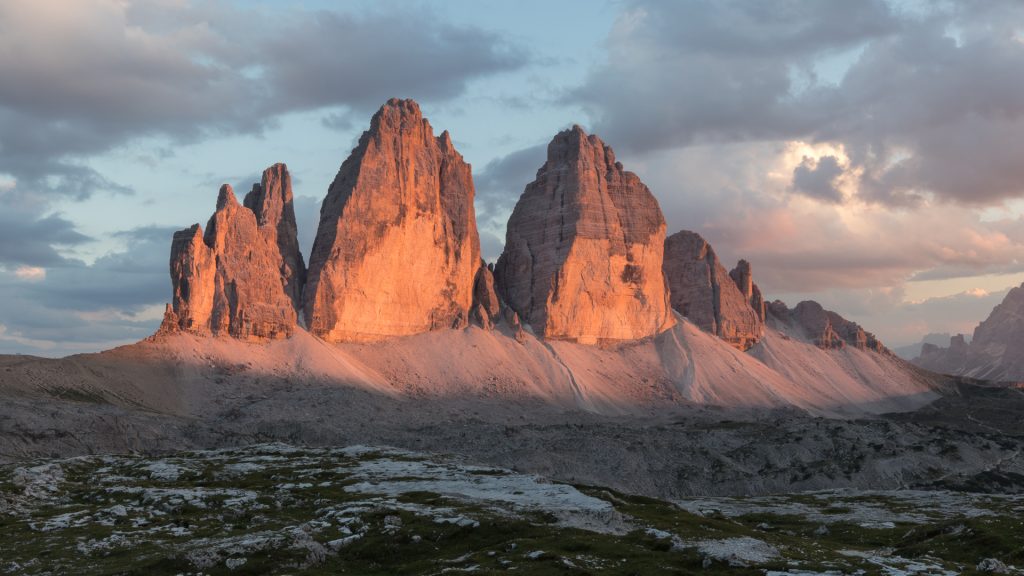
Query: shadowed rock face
[(707, 295), (743, 276), (271, 201), (583, 248), (824, 328), (486, 305), (397, 251), (996, 351), (243, 277)]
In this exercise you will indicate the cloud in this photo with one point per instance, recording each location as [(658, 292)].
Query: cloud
[(77, 307), (85, 77), (31, 239), (30, 273), (126, 280), (679, 73), (739, 197), (927, 112), (321, 59), (928, 104), (307, 219), (817, 178), (340, 121), (491, 246)]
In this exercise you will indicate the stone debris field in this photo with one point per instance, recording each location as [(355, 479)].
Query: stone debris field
[(274, 508)]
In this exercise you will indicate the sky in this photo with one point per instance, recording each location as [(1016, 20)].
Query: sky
[(863, 154)]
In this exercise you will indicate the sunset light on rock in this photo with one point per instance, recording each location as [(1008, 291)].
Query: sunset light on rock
[(465, 286)]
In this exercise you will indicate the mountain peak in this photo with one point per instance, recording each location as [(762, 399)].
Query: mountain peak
[(398, 115), (397, 251), (583, 250), (226, 197), (244, 277)]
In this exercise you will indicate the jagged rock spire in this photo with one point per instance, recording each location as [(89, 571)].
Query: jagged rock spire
[(242, 277)]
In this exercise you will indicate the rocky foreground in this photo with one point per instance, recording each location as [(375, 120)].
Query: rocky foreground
[(274, 508)]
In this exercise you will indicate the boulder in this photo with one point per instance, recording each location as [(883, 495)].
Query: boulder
[(396, 251), (583, 248)]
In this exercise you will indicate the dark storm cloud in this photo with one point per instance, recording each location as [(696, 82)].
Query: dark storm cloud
[(107, 72), (933, 104), (818, 180), (924, 111)]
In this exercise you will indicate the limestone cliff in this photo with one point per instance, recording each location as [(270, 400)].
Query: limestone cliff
[(243, 276), (397, 250), (583, 249), (704, 292)]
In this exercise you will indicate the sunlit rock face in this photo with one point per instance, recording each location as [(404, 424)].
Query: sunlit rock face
[(824, 328), (397, 251), (707, 295), (244, 275), (583, 249)]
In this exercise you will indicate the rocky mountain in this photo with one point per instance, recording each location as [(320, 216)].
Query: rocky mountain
[(410, 344), (244, 275), (995, 352), (397, 250), (911, 351), (586, 262), (583, 250), (718, 302), (743, 276), (824, 328), (406, 338)]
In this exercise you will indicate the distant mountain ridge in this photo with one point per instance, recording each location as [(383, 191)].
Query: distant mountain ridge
[(911, 351), (995, 352)]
